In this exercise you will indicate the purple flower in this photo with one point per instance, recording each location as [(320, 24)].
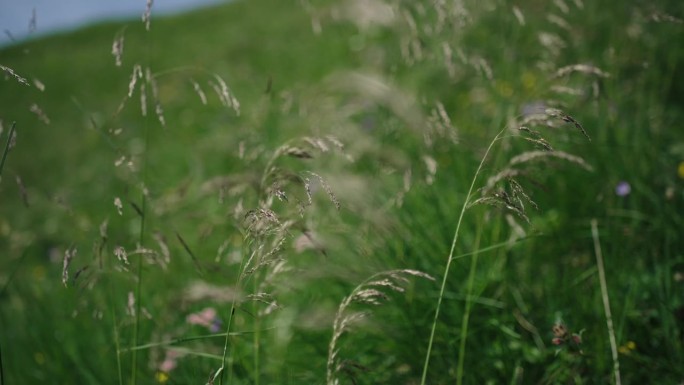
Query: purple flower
[(623, 189)]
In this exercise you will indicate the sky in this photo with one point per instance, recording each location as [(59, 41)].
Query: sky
[(62, 15)]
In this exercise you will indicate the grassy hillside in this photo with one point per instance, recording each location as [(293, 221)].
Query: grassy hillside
[(356, 192)]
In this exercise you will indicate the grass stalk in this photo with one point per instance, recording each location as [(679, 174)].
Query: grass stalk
[(225, 345), (7, 148), (141, 238), (450, 258), (468, 307), (606, 301), (228, 324), (256, 337), (117, 345)]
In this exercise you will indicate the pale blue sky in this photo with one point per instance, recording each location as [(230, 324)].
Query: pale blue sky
[(60, 15)]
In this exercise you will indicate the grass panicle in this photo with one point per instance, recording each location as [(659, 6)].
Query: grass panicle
[(374, 292)]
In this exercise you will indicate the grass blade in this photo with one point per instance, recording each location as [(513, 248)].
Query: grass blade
[(606, 301), (7, 148), (451, 257)]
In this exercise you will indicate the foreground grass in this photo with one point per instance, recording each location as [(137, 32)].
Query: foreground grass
[(400, 181)]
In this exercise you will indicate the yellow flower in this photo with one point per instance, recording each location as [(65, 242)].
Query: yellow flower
[(161, 377), (627, 347), (680, 170), (529, 81)]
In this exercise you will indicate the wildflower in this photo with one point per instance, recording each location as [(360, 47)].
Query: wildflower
[(561, 336), (161, 377), (627, 347), (680, 170), (167, 366), (623, 189), (207, 318), (560, 331), (576, 338)]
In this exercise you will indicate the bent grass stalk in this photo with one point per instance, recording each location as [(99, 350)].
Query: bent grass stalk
[(606, 300), (451, 257)]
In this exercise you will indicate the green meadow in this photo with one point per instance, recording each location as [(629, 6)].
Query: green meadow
[(347, 192)]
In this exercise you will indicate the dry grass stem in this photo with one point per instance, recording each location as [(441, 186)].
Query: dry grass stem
[(39, 113), (661, 17), (39, 85), (33, 21), (556, 113), (519, 15), (163, 247), (581, 68), (155, 96), (118, 48), (9, 72), (69, 254), (147, 15), (367, 293), (121, 255), (135, 75), (559, 21), (119, 205), (198, 90), (143, 100), (327, 189), (530, 156), (562, 6), (224, 94)]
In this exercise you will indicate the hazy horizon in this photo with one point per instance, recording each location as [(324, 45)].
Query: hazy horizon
[(18, 23)]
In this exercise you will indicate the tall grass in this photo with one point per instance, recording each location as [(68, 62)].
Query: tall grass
[(260, 183)]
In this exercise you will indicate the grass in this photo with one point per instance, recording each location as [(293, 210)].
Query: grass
[(235, 245)]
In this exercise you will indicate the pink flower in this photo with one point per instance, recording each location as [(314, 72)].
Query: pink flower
[(207, 318), (576, 339), (170, 361)]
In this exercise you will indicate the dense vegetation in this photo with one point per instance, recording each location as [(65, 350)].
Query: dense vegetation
[(318, 178)]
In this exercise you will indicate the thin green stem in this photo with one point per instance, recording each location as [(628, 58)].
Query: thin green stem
[(185, 339), (256, 336), (7, 148), (141, 238), (469, 305), (450, 258), (117, 345), (225, 345), (230, 320), (606, 301)]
